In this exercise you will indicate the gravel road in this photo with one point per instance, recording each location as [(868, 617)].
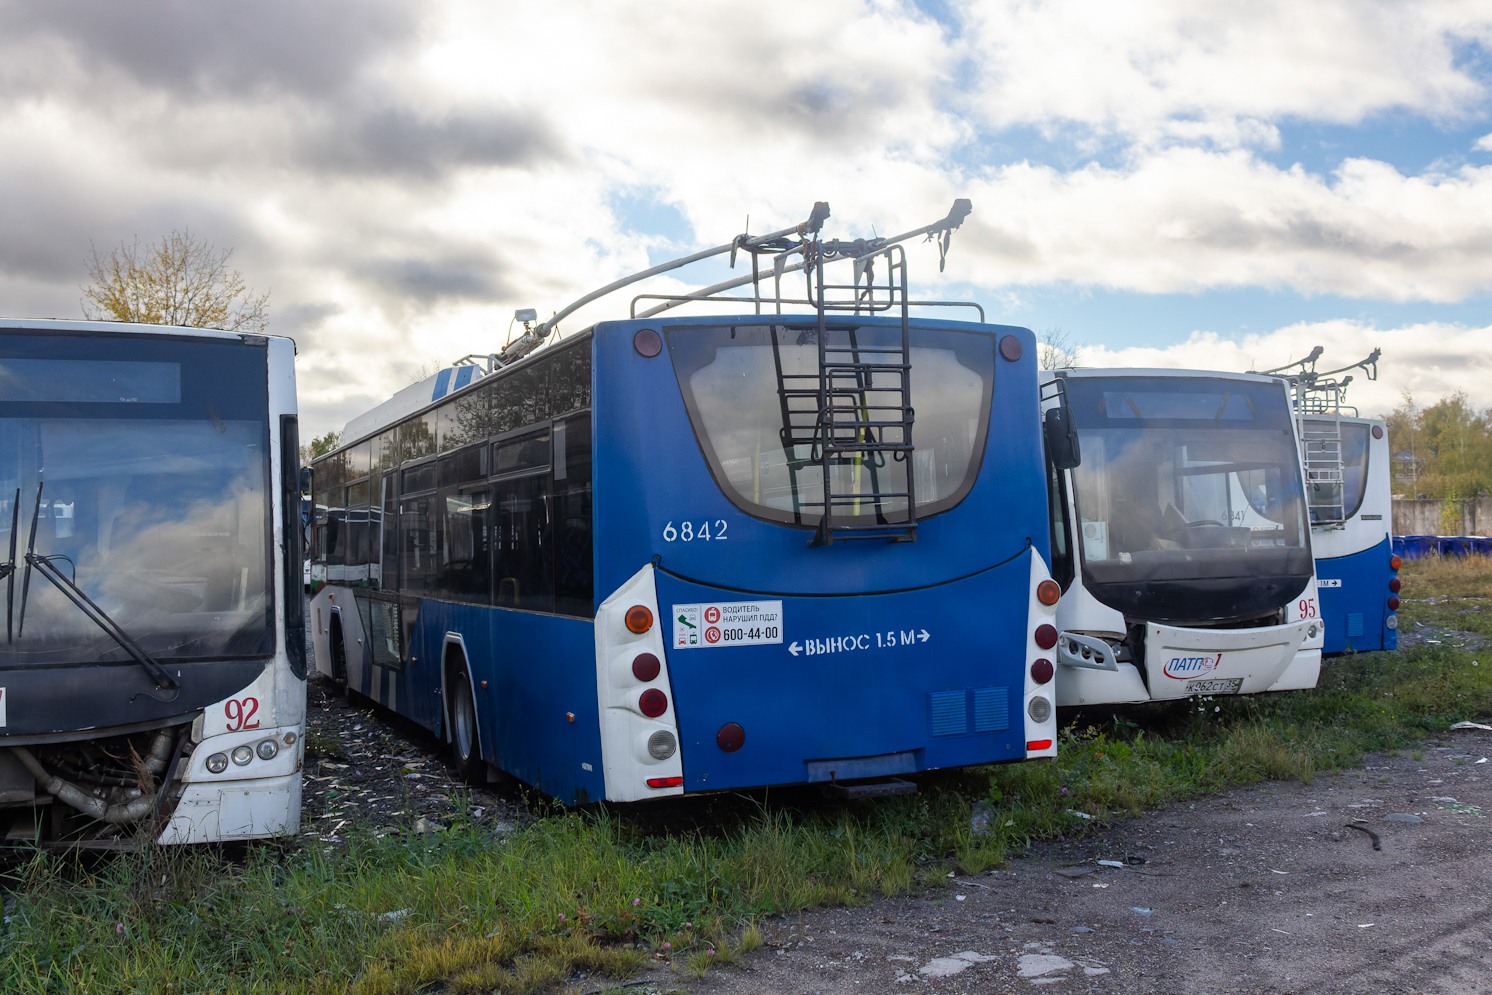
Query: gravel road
[(1373, 880)]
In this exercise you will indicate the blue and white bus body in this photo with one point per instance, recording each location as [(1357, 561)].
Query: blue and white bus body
[(766, 659), (1181, 539), (1356, 568), (152, 682)]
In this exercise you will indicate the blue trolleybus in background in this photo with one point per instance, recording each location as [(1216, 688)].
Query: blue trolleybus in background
[(793, 541), (152, 673), (1181, 539), (1350, 497)]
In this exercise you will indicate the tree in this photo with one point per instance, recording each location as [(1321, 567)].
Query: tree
[(179, 280), (1055, 350), (1445, 449), (320, 446)]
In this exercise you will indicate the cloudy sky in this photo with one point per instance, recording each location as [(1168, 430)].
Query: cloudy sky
[(1160, 183)]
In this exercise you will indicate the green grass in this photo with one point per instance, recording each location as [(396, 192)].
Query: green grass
[(604, 892), (1448, 593)]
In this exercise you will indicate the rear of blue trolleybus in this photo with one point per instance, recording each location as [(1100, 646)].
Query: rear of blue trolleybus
[(745, 641), (673, 554)]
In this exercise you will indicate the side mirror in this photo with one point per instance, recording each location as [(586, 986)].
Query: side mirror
[(305, 479), (1061, 438)]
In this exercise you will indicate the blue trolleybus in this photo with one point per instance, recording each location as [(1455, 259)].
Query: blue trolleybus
[(799, 541), (152, 673), (1181, 539), (1349, 493)]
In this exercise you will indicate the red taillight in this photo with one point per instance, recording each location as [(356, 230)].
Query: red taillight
[(1395, 562), (1048, 592), (1041, 670), (731, 737), (653, 703), (645, 667), (639, 619), (665, 782), (1038, 744), (1393, 604), (1394, 585), (647, 342), (1046, 636)]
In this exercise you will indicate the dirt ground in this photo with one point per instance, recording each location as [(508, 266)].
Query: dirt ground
[(1373, 880)]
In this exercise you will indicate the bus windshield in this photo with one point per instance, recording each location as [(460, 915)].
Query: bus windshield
[(1185, 480), (738, 383), (141, 483)]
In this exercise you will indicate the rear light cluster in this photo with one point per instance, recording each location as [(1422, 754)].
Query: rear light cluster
[(652, 702), (1039, 707), (662, 743), (640, 743), (1394, 585)]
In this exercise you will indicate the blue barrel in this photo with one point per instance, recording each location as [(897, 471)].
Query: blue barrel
[(1397, 544), (1418, 547), (1453, 546)]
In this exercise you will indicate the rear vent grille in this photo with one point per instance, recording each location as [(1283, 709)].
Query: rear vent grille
[(951, 711)]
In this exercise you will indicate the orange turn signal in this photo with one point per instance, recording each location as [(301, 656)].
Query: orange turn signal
[(639, 619)]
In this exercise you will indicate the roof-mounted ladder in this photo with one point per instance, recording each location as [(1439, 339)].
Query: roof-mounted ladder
[(849, 420), (1319, 399), (864, 400)]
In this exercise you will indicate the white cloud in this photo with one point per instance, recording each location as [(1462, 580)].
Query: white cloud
[(1150, 71), (1182, 220), (1425, 361)]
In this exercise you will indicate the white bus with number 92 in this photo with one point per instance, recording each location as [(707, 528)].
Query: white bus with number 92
[(152, 672)]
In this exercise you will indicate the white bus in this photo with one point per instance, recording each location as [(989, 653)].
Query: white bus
[(1181, 539), (152, 673)]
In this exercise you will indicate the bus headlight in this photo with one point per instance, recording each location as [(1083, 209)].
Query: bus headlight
[(267, 749), (217, 763), (242, 754)]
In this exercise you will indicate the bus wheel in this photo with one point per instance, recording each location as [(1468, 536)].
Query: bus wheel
[(466, 748)]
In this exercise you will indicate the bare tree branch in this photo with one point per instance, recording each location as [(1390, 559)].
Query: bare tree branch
[(1055, 350)]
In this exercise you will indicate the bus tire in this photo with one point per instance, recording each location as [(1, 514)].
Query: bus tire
[(466, 742)]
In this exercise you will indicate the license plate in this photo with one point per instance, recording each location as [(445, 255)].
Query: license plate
[(1215, 685)]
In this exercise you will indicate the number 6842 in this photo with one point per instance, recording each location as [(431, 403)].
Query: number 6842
[(687, 531)]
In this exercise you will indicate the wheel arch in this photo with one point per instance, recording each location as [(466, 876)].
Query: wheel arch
[(455, 659), (336, 647)]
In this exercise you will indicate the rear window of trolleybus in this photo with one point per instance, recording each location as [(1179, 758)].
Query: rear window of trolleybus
[(730, 381)]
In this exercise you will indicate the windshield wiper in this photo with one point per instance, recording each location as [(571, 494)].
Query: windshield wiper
[(8, 568), (69, 587)]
